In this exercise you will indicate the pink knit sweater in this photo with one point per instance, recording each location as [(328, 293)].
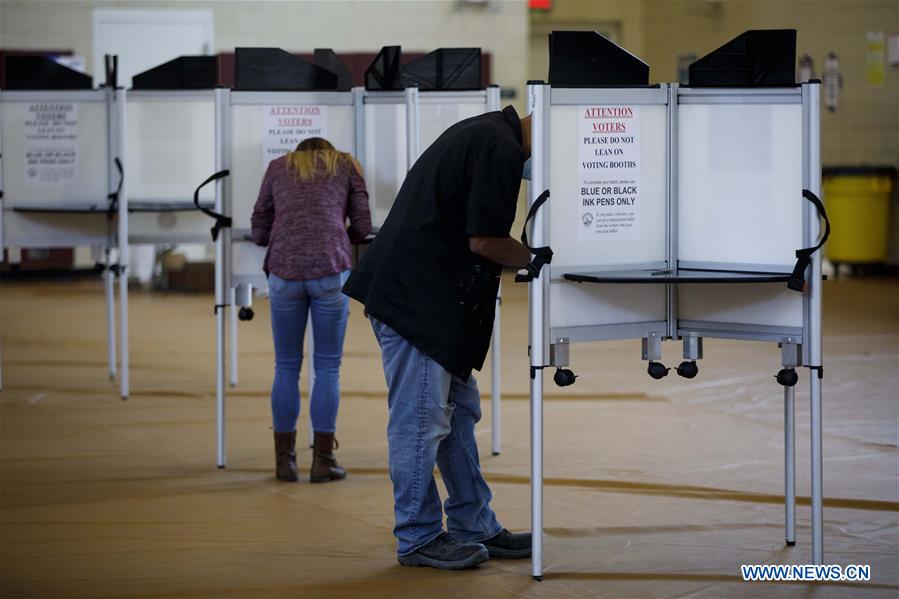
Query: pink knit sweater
[(303, 223)]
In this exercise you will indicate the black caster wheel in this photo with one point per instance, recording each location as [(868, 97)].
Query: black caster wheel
[(787, 377), (657, 370), (564, 377), (245, 314), (688, 370)]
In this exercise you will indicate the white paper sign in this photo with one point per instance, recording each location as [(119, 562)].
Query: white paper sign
[(286, 125), (609, 166), (51, 143)]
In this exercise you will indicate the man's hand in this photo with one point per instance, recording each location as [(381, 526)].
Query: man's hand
[(505, 251)]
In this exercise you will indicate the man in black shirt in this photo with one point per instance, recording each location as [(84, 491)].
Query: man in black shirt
[(429, 282)]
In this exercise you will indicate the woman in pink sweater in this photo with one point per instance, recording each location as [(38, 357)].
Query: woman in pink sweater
[(301, 216)]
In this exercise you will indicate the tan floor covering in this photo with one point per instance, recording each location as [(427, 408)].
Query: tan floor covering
[(654, 488)]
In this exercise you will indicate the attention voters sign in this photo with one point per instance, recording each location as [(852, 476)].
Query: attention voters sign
[(51, 143), (608, 206), (285, 126)]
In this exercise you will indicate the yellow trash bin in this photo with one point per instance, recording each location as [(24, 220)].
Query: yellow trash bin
[(858, 204)]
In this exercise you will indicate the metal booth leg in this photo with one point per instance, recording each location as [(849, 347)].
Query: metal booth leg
[(232, 312), (817, 483), (310, 368), (537, 473), (790, 352), (496, 382), (109, 284), (789, 466)]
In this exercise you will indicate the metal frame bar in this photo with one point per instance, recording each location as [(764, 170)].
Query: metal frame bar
[(705, 95), (642, 95), (163, 95), (121, 126), (248, 98), (232, 341), (384, 97), (109, 272), (609, 332), (672, 207), (413, 128), (730, 330), (80, 96), (479, 96), (538, 97), (811, 104), (492, 103), (222, 257)]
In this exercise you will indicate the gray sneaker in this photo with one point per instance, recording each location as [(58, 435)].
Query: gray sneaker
[(509, 545), (444, 554)]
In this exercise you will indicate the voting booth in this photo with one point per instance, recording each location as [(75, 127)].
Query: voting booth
[(675, 213), (171, 147), (62, 174), (279, 100)]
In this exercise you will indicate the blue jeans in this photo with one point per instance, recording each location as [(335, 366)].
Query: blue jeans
[(432, 415), (291, 302)]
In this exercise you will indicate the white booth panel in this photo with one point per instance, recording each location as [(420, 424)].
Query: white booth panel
[(593, 304), (246, 264), (740, 184), (42, 230), (648, 242), (181, 226), (438, 117), (75, 169), (761, 304), (248, 132), (385, 156), (171, 148)]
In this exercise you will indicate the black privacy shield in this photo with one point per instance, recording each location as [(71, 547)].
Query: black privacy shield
[(328, 59), (384, 72), (273, 69), (587, 59), (755, 58), (184, 72), (42, 72), (445, 69)]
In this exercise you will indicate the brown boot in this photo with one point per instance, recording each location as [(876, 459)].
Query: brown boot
[(286, 456), (324, 465)]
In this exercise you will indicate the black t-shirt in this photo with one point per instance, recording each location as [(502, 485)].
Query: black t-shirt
[(419, 276)]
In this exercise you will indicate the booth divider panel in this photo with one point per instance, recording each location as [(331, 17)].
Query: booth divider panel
[(588, 304), (49, 230), (171, 148), (181, 226), (758, 304), (740, 184), (77, 173), (437, 118), (246, 264), (385, 156), (630, 230)]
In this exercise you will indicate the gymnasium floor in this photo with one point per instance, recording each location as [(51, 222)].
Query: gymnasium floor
[(654, 488)]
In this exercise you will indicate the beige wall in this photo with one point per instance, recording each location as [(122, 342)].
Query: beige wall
[(499, 28), (865, 129)]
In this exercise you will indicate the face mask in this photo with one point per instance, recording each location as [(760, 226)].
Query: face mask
[(526, 170)]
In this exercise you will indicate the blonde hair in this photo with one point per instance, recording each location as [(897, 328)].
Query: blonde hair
[(316, 157)]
